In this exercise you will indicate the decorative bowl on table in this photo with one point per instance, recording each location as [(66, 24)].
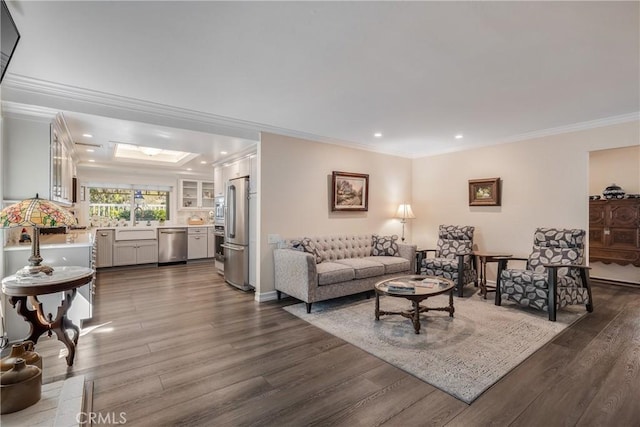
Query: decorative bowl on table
[(613, 192)]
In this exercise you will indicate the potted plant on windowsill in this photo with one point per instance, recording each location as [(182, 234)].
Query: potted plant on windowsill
[(162, 217)]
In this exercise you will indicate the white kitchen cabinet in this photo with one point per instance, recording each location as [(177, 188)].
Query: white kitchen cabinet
[(104, 248), (131, 252), (39, 158), (197, 243), (195, 194), (62, 162), (253, 174), (218, 182)]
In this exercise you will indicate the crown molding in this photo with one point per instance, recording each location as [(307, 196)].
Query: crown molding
[(575, 127), (14, 109), (29, 90)]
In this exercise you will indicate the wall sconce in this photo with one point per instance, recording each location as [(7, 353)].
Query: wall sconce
[(404, 213)]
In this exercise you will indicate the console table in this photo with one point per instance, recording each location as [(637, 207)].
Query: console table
[(63, 279)]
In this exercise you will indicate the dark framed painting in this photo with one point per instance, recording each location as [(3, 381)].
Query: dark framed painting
[(350, 191), (484, 192)]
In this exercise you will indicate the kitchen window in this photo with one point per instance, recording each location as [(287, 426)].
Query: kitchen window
[(124, 203)]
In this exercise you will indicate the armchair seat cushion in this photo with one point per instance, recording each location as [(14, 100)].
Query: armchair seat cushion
[(332, 272), (394, 264), (363, 267), (525, 278), (441, 264)]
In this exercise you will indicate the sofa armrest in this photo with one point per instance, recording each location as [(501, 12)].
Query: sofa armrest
[(295, 273), (409, 252)]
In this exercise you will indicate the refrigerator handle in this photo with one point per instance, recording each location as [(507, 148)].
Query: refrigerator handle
[(231, 203)]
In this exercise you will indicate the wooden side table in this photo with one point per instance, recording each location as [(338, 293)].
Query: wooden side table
[(483, 259), (63, 279)]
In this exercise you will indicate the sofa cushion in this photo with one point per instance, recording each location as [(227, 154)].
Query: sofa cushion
[(393, 264), (311, 247), (363, 267), (384, 245), (331, 272)]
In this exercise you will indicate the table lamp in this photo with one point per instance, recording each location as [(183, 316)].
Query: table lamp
[(404, 213), (37, 213)]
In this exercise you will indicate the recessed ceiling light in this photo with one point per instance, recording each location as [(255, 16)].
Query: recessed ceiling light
[(87, 135), (91, 161), (378, 135), (223, 152), (459, 136), (203, 162), (189, 169), (90, 150)]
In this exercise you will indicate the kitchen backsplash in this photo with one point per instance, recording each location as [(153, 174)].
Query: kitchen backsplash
[(183, 217)]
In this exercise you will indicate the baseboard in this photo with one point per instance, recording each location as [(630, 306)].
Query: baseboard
[(615, 282), (266, 296)]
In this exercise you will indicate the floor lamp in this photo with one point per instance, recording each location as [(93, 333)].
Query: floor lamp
[(404, 213)]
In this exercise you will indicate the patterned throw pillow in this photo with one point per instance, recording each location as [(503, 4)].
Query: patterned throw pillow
[(384, 246), (311, 247)]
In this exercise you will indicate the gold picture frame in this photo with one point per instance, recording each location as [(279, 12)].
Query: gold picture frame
[(484, 192)]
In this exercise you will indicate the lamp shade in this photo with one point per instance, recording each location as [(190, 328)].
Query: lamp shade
[(35, 212), (405, 212)]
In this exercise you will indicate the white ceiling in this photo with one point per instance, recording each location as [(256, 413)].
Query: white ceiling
[(418, 72)]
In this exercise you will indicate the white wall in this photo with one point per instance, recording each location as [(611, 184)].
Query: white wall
[(622, 167), (545, 184), (295, 176)]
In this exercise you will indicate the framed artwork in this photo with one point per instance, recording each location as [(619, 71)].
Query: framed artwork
[(350, 191), (484, 192)]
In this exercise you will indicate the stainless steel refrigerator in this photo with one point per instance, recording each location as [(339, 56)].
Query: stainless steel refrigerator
[(236, 239)]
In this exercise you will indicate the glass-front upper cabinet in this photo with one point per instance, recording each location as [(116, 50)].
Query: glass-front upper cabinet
[(206, 194), (195, 194)]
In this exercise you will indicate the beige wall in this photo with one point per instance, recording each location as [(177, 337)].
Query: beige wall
[(617, 165), (545, 183), (295, 178), (622, 167)]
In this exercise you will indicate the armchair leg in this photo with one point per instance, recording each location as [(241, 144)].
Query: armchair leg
[(586, 282), (308, 307), (279, 295), (461, 281), (551, 303), (502, 264)]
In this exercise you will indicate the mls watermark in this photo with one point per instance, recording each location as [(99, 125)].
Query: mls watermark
[(97, 418)]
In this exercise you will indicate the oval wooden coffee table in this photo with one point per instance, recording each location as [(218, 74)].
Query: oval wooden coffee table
[(416, 289)]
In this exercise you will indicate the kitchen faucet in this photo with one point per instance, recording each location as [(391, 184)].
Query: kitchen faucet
[(135, 215)]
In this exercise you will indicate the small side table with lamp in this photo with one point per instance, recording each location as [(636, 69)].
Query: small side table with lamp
[(36, 279)]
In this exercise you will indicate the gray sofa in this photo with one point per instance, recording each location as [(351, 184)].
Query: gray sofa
[(321, 268)]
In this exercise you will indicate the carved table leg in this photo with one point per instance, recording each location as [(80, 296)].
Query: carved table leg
[(377, 306), (451, 309), (39, 323)]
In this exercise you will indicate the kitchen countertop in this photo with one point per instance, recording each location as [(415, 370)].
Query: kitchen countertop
[(74, 238)]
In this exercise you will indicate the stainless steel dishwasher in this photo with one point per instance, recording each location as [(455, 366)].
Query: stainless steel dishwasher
[(172, 245)]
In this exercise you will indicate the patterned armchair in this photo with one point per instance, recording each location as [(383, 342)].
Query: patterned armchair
[(554, 276), (454, 258)]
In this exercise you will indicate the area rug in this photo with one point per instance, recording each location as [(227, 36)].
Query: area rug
[(462, 356)]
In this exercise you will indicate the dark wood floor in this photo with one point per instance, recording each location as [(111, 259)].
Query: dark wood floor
[(177, 346)]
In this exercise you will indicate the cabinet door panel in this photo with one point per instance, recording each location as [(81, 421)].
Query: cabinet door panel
[(124, 254), (596, 237), (624, 216), (596, 214), (147, 252), (624, 238)]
